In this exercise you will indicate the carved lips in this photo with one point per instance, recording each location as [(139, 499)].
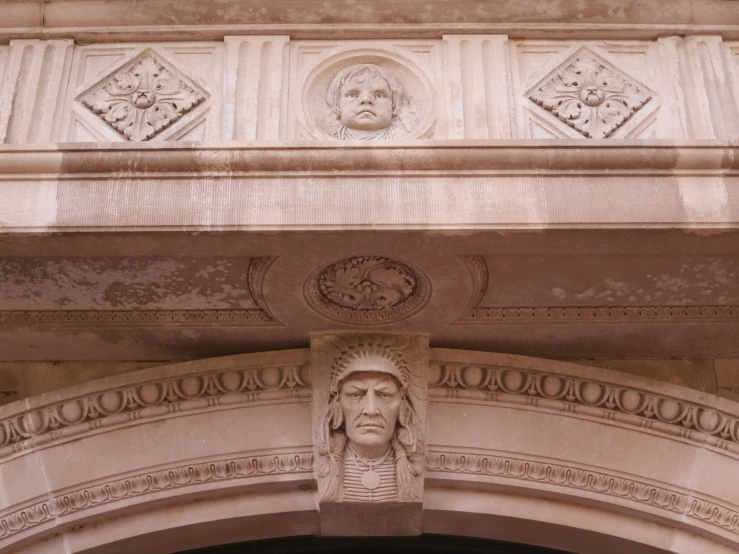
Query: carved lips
[(371, 427)]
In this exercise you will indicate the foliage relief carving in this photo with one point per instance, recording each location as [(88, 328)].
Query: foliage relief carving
[(590, 96), (367, 289), (142, 100)]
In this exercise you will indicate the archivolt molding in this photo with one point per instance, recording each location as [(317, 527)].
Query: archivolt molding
[(584, 397), (24, 429), (69, 503), (453, 456), (255, 279), (586, 480)]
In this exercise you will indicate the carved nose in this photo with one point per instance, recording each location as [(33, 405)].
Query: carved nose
[(370, 403), (366, 99)]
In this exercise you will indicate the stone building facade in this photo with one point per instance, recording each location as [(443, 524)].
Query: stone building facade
[(369, 268)]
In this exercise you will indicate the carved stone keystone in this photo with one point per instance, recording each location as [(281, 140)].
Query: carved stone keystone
[(369, 421)]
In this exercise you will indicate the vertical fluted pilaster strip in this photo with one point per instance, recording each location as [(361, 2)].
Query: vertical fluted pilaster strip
[(477, 86), (718, 84), (454, 86), (253, 93), (33, 90), (702, 88)]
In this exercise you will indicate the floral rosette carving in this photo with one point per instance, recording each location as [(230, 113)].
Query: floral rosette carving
[(591, 97), (367, 289), (368, 283), (141, 101)]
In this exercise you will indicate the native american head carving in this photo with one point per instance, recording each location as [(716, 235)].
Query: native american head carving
[(370, 430)]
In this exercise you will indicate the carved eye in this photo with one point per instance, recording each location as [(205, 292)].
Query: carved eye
[(379, 95), (352, 95)]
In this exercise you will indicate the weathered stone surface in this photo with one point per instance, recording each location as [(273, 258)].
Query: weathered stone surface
[(188, 179)]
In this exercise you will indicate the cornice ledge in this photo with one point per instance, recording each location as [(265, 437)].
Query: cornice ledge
[(116, 160), (85, 33)]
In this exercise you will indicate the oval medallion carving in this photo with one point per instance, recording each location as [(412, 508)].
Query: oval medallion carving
[(367, 289), (368, 94)]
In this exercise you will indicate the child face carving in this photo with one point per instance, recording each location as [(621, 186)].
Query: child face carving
[(365, 103)]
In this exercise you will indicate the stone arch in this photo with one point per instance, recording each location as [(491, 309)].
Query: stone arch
[(220, 450)]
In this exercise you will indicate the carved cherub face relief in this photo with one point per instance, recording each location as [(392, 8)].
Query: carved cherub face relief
[(365, 103), (370, 402), (366, 99)]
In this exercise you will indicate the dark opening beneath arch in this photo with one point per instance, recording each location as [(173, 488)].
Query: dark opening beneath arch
[(424, 543)]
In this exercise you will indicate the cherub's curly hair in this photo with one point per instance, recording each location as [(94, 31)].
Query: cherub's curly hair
[(360, 72)]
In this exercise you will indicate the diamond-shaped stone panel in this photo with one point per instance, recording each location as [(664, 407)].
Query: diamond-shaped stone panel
[(143, 97), (590, 95)]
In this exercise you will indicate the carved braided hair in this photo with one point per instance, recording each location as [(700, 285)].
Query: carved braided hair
[(406, 443)]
